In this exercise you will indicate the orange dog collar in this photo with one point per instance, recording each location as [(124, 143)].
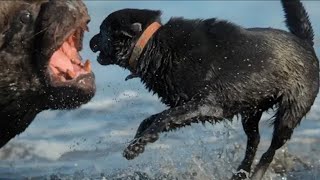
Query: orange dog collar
[(142, 42)]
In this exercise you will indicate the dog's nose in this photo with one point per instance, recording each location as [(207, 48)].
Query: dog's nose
[(94, 43)]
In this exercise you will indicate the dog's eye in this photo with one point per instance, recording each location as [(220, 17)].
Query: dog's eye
[(26, 17)]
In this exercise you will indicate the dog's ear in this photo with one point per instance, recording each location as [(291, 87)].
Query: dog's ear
[(136, 27), (140, 21), (133, 30)]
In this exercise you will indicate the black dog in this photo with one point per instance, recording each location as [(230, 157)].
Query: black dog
[(40, 66), (208, 70)]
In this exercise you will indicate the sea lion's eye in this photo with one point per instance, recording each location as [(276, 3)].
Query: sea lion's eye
[(26, 17)]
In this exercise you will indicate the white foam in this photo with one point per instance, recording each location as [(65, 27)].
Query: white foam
[(25, 149), (109, 103), (121, 133)]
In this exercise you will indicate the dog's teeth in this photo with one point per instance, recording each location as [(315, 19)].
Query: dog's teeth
[(87, 66)]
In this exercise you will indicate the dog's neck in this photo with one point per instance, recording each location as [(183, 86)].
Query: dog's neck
[(141, 43)]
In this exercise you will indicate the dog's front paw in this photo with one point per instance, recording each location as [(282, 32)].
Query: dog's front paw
[(135, 148)]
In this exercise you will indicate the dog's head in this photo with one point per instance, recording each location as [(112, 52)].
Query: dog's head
[(119, 33)]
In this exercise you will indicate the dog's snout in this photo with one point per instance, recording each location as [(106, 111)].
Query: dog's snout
[(94, 43)]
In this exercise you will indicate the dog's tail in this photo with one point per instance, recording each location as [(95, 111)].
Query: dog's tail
[(297, 20)]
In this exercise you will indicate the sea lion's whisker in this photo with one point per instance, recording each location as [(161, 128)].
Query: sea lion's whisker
[(44, 29)]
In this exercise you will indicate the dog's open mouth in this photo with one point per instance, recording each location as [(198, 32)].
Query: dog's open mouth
[(66, 63)]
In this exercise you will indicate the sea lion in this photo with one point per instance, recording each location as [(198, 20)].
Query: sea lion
[(40, 65)]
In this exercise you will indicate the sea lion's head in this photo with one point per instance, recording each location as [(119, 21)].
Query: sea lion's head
[(39, 52)]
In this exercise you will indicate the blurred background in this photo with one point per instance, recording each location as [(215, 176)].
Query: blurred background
[(87, 143)]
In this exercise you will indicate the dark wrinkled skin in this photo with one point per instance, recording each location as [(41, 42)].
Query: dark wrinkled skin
[(26, 44), (210, 70)]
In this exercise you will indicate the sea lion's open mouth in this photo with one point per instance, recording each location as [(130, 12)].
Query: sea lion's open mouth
[(60, 30), (66, 63), (41, 68)]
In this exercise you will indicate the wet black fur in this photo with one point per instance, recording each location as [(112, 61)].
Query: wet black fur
[(209, 70)]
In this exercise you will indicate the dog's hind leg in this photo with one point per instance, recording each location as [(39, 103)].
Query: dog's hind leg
[(250, 123), (288, 116), (191, 112)]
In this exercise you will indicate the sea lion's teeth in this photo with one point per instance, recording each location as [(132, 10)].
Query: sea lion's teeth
[(59, 69), (62, 78), (54, 70), (86, 28), (87, 66), (70, 74), (74, 61)]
